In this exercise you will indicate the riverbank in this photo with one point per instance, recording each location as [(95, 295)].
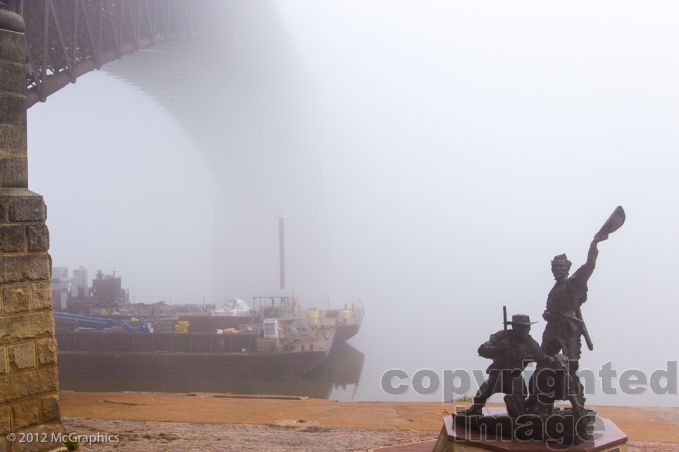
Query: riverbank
[(205, 421)]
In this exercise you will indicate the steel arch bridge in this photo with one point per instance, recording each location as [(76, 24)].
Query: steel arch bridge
[(66, 39), (226, 70)]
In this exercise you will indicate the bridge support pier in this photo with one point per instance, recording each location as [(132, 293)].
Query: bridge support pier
[(29, 402)]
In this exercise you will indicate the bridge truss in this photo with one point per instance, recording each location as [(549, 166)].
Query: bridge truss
[(66, 39)]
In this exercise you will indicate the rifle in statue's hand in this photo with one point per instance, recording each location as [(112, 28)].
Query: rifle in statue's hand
[(504, 315), (505, 351)]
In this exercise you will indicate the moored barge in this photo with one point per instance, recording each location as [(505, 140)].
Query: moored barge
[(104, 334), (119, 353)]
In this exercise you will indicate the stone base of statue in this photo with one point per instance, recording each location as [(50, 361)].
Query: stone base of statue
[(563, 426), (496, 431)]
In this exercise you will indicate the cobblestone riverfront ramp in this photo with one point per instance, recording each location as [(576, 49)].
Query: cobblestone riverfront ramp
[(207, 422)]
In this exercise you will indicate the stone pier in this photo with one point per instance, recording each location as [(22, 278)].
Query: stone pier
[(28, 351)]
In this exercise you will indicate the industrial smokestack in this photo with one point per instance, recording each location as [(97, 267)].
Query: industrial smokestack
[(281, 247)]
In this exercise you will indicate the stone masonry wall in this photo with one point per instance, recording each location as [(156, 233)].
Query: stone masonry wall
[(28, 351)]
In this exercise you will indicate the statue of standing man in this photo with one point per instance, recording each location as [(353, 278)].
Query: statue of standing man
[(565, 326)]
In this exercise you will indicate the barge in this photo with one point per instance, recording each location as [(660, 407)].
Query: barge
[(120, 353), (345, 327), (336, 377), (280, 304), (103, 334)]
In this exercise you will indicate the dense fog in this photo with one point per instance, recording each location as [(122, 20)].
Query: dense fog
[(430, 158)]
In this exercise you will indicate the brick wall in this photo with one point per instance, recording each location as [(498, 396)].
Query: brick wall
[(28, 352)]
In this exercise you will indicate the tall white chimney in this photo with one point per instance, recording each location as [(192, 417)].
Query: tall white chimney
[(281, 247)]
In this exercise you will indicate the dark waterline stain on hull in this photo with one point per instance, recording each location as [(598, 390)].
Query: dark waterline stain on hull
[(342, 368)]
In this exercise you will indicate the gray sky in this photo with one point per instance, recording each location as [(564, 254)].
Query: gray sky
[(125, 187), (487, 137), (457, 147)]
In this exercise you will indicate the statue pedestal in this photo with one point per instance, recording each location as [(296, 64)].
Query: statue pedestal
[(607, 437)]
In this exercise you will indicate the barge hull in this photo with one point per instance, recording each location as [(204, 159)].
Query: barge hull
[(188, 364), (167, 354)]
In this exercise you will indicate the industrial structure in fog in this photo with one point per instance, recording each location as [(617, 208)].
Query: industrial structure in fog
[(61, 286), (71, 292)]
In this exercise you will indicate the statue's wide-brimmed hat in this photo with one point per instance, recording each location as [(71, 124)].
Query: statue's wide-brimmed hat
[(614, 222), (521, 319)]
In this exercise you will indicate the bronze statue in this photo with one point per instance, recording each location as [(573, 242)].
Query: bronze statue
[(511, 351), (535, 418), (565, 325), (552, 381)]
